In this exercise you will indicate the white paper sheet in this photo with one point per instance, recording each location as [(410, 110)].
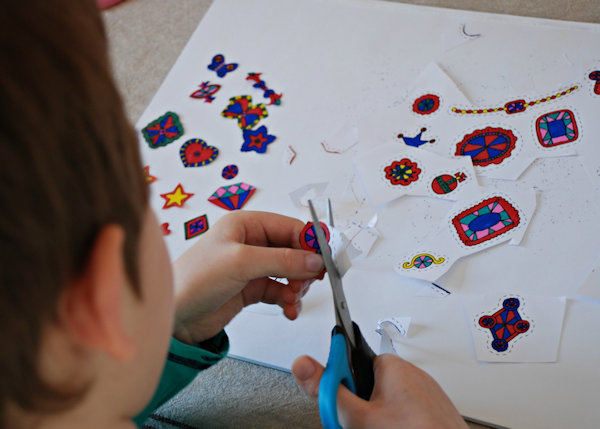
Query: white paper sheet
[(330, 76)]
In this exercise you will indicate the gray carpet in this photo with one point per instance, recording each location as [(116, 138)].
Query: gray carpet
[(146, 38)]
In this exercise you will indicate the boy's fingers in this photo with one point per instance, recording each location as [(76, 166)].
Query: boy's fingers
[(256, 262)]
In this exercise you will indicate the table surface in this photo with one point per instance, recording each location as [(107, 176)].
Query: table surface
[(146, 37)]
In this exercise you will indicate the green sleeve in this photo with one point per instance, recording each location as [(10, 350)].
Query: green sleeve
[(184, 362)]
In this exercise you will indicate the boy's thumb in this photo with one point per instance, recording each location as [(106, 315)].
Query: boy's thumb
[(307, 373)]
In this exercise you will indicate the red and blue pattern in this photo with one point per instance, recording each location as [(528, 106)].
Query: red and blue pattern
[(242, 109), (487, 146), (556, 128), (195, 227), (206, 92), (163, 130), (490, 218), (230, 171), (308, 237), (257, 140), (505, 324), (218, 64)]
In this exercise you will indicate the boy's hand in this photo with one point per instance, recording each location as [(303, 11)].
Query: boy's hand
[(404, 396), (229, 268)]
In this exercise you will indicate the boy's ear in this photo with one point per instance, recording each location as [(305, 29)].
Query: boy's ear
[(94, 304)]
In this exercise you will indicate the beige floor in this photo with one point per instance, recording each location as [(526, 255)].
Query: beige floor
[(146, 38)]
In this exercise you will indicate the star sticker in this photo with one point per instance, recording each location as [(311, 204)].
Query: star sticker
[(257, 140), (149, 177), (176, 197)]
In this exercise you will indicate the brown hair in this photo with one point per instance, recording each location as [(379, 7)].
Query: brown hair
[(69, 164)]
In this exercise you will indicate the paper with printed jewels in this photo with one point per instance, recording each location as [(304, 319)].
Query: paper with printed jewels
[(437, 176), (527, 328), (481, 220)]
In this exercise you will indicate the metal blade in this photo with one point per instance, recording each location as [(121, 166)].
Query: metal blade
[(342, 314)]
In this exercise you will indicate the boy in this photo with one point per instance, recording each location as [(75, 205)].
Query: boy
[(87, 298)]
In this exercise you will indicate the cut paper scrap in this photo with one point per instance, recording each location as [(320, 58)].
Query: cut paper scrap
[(475, 223), (163, 130), (164, 227), (338, 244), (362, 239), (242, 109), (232, 197), (257, 140), (392, 330), (307, 192), (340, 141), (220, 67), (393, 170), (195, 227), (197, 153), (176, 198), (591, 285), (512, 327), (206, 92)]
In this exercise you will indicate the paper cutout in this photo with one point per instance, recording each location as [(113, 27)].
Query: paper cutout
[(490, 218), (422, 261), (196, 153), (436, 174), (195, 227), (176, 198), (426, 104), (242, 109), (595, 77), (268, 93), (511, 327), (505, 324), (230, 171), (402, 172), (308, 237), (484, 218), (336, 241), (417, 140), (218, 65), (164, 227), (257, 140), (163, 130), (307, 192), (446, 183), (487, 146), (515, 106), (556, 128), (232, 197), (149, 177), (392, 330), (342, 139), (206, 92)]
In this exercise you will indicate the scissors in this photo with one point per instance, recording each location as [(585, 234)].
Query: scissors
[(350, 359)]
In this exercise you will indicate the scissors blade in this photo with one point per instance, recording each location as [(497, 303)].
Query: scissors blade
[(342, 314)]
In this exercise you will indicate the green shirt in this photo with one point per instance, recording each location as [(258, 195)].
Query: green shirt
[(183, 364)]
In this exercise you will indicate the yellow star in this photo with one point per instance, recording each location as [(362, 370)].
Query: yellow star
[(175, 198)]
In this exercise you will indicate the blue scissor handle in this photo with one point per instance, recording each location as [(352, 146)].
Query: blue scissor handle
[(337, 371)]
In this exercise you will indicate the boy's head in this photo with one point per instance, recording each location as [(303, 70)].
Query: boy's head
[(69, 166)]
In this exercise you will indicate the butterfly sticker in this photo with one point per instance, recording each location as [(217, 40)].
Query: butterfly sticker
[(218, 65)]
